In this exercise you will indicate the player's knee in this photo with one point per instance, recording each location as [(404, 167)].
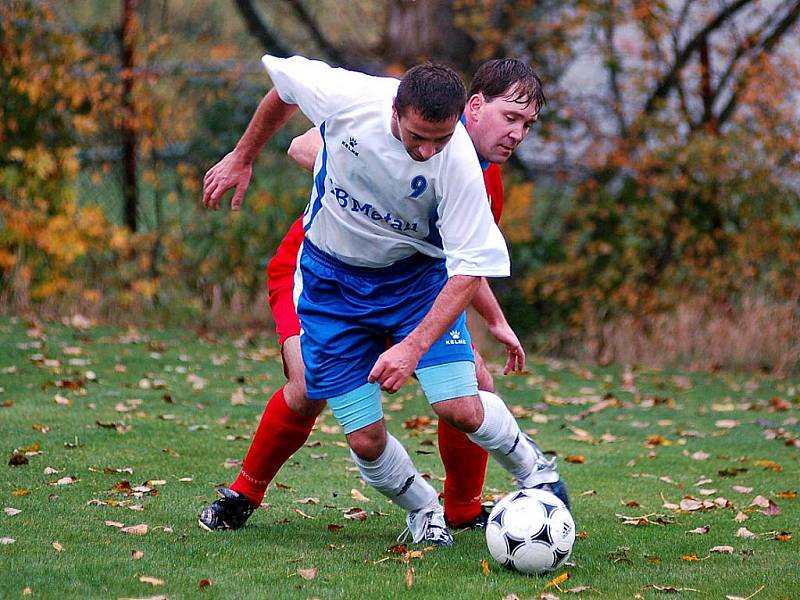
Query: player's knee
[(485, 379), (368, 443), (465, 414), (294, 392)]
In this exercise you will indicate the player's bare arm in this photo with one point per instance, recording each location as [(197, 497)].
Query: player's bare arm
[(396, 364), (304, 148), (485, 303), (236, 167)]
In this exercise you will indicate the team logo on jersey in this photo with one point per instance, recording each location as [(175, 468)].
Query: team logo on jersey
[(350, 145), (455, 338)]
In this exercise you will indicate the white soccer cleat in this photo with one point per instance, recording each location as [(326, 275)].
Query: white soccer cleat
[(427, 525)]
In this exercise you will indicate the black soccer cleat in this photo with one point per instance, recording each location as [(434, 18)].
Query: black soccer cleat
[(231, 511), (479, 522)]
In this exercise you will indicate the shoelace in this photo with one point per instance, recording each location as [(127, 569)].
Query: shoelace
[(427, 526)]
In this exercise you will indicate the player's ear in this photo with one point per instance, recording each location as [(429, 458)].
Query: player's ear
[(474, 104)]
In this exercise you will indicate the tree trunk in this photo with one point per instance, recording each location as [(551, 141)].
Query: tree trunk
[(419, 30), (128, 33)]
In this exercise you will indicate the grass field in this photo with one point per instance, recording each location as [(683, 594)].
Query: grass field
[(135, 429)]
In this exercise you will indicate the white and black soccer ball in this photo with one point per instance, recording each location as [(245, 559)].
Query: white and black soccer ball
[(530, 531)]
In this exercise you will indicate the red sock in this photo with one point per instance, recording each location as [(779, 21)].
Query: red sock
[(465, 472), (280, 433)]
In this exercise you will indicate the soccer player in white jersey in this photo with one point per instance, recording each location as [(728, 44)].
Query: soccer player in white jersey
[(398, 236)]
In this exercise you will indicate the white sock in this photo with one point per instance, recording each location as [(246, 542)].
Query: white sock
[(394, 475), (501, 437)]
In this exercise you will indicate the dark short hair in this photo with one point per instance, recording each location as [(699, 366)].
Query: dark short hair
[(509, 78), (435, 91)]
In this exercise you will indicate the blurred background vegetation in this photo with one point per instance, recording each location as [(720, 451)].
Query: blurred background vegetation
[(652, 215)]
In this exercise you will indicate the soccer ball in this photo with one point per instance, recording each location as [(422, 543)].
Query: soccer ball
[(530, 531)]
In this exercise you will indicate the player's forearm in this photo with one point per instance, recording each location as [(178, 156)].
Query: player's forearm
[(454, 297), (272, 114), (486, 305), (304, 148)]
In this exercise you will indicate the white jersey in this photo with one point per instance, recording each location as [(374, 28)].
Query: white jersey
[(372, 204)]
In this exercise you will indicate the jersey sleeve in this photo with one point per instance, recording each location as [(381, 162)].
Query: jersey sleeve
[(493, 180), (320, 90), (472, 243)]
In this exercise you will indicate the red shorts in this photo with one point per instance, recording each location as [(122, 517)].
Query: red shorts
[(280, 283)]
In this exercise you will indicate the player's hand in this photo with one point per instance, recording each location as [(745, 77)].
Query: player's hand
[(230, 172), (394, 367), (516, 354)]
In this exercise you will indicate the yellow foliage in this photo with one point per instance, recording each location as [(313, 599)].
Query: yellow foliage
[(51, 287), (7, 260), (516, 221), (92, 221), (62, 240), (120, 239), (91, 295), (146, 288)]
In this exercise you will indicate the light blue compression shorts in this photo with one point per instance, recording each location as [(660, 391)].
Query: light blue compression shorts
[(347, 315)]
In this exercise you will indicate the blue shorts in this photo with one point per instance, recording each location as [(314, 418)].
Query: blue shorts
[(348, 313)]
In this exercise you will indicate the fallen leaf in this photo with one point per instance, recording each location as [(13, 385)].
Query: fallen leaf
[(760, 501), (769, 465), (700, 530), (744, 532), (409, 577), (722, 550), (308, 574), (772, 510), (358, 496), (485, 567), (790, 495), (140, 529), (302, 514), (57, 546), (11, 511), (18, 459), (783, 536), (741, 489), (726, 424), (151, 580), (700, 455), (204, 583), (5, 541), (355, 514), (309, 500), (333, 527), (746, 598), (61, 400), (137, 555), (672, 589), (556, 581), (577, 590), (116, 524), (577, 459), (689, 557), (64, 481), (417, 423), (740, 517), (238, 398), (690, 504)]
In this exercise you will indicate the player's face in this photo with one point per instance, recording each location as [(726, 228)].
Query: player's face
[(498, 126), (421, 138)]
